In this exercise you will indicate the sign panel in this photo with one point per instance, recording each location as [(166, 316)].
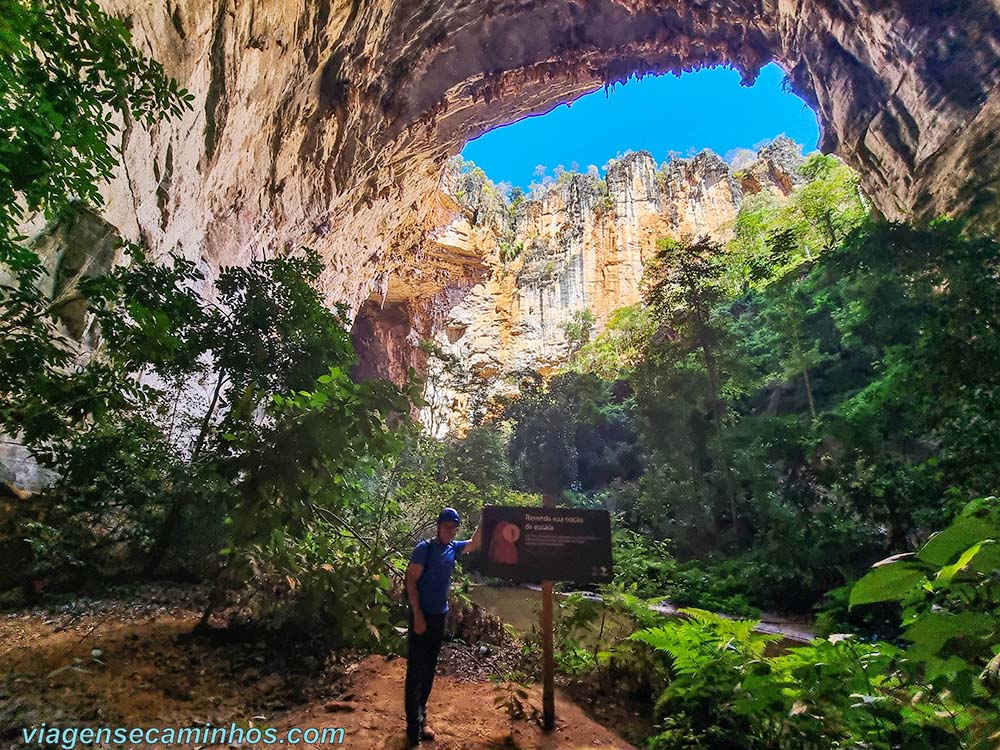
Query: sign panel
[(554, 544)]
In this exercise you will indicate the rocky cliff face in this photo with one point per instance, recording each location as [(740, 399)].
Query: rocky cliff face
[(577, 248), (328, 122)]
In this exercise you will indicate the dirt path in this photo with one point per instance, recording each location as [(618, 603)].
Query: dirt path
[(134, 664), (462, 714)]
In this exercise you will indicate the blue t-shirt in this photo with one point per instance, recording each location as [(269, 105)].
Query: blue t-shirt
[(438, 562)]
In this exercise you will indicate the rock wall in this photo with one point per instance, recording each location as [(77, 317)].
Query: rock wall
[(580, 245), (328, 122), (84, 246)]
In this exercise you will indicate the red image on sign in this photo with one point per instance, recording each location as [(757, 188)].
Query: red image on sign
[(503, 545)]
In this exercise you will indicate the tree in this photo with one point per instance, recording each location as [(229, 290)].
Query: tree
[(68, 73), (828, 206), (542, 446), (283, 440), (781, 317), (771, 235), (617, 349), (918, 305), (578, 328), (751, 255), (272, 333), (683, 288)]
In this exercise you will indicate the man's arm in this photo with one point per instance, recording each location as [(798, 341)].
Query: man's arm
[(476, 542), (413, 573)]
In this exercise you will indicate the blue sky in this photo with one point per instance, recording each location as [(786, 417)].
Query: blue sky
[(704, 109)]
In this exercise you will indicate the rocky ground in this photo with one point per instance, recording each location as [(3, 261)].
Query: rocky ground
[(131, 660)]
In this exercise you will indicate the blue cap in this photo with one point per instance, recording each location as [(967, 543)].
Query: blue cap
[(449, 514)]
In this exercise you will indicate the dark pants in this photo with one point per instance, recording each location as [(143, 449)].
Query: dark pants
[(421, 661)]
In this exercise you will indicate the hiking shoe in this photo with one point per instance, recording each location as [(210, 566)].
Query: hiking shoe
[(426, 733), (412, 738)]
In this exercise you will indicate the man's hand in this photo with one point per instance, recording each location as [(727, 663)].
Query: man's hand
[(419, 623)]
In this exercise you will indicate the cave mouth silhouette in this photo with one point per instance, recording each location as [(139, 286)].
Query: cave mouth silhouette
[(905, 94)]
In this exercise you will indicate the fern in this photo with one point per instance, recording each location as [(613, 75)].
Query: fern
[(699, 639), (709, 657)]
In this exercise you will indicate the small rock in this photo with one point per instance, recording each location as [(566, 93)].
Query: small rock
[(338, 707)]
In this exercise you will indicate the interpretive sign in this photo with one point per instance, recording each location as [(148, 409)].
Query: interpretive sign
[(553, 544)]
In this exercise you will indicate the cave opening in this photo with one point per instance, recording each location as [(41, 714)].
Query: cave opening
[(506, 301)]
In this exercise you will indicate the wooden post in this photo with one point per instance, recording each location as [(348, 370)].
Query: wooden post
[(548, 659)]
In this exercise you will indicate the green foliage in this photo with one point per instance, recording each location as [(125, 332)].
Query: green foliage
[(641, 564), (325, 574), (573, 432), (782, 439), (693, 359), (510, 250), (308, 462), (578, 328), (647, 568), (950, 596), (709, 656), (753, 253), (829, 206), (619, 347), (66, 67), (278, 453), (771, 236), (727, 691), (487, 204), (464, 472), (846, 412), (579, 616)]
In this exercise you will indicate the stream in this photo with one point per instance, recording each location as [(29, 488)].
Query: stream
[(521, 607)]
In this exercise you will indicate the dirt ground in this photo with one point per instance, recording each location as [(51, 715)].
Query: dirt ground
[(116, 662), (462, 714)]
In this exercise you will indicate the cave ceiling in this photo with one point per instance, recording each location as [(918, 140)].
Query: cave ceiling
[(327, 124)]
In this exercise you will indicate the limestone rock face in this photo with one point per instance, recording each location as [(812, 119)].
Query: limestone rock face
[(775, 169), (328, 122), (82, 247), (578, 248), (701, 194)]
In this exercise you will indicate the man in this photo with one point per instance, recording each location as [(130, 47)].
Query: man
[(428, 578)]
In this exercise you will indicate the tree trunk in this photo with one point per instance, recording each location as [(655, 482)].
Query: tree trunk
[(809, 395), (719, 412), (173, 518)]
